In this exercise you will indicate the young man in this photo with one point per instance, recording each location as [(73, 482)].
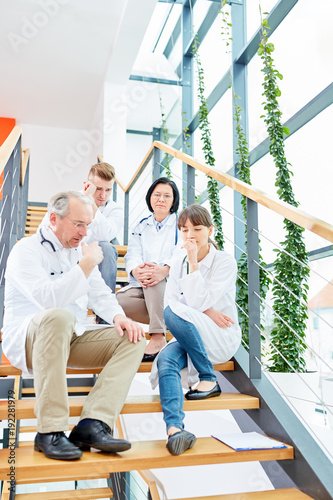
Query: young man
[(51, 278), (108, 219)]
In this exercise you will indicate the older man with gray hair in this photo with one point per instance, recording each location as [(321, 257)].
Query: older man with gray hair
[(51, 281)]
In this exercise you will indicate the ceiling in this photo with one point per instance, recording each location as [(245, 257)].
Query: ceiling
[(56, 55)]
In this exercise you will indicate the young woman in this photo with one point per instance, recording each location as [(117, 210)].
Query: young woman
[(149, 252), (200, 312)]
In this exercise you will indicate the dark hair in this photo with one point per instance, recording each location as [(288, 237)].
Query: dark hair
[(164, 180), (198, 216)]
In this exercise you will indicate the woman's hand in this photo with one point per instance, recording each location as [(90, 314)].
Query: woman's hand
[(149, 274), (192, 253), (157, 274), (141, 273), (219, 318)]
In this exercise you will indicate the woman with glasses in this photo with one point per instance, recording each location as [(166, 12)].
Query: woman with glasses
[(152, 243)]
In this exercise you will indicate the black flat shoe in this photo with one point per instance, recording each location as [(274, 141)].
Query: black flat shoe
[(216, 391), (56, 445), (97, 435), (150, 357), (180, 442)]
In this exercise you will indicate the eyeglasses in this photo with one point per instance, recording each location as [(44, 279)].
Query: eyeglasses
[(79, 225), (166, 197)]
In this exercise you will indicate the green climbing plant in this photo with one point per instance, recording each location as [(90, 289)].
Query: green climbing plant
[(204, 126), (243, 166), (291, 264), (166, 138)]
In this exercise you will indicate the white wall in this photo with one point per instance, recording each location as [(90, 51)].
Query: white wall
[(60, 158)]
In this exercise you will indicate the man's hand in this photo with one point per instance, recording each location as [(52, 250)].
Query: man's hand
[(89, 190), (219, 318), (92, 256), (135, 331)]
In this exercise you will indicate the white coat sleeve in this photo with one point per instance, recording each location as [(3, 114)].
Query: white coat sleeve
[(26, 270), (134, 255), (106, 225), (203, 294), (172, 289), (101, 299)]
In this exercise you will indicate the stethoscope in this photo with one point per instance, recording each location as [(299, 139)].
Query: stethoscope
[(188, 267), (146, 218), (44, 240)]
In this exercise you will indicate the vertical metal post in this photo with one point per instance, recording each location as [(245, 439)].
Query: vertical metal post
[(115, 192), (6, 216), (253, 289), (238, 17), (120, 485), (187, 104), (126, 217), (157, 154)]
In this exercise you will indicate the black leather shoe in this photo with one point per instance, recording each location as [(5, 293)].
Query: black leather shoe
[(56, 445), (216, 391), (149, 357), (180, 442), (97, 435)]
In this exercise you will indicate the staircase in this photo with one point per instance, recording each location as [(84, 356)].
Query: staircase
[(33, 467)]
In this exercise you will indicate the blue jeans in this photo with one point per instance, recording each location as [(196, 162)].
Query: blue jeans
[(108, 266), (173, 359)]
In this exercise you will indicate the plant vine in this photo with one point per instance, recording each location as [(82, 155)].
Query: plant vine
[(243, 166), (291, 263), (166, 138), (204, 126)]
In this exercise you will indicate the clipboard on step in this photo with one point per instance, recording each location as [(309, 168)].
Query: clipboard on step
[(249, 441)]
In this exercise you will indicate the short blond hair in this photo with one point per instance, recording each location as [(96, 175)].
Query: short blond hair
[(103, 170)]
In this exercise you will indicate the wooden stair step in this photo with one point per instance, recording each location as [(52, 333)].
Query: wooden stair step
[(36, 208), (84, 494), (283, 494), (78, 477), (7, 369), (24, 408), (122, 249), (142, 455), (32, 428)]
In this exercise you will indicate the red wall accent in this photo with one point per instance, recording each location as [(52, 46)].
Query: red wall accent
[(6, 126)]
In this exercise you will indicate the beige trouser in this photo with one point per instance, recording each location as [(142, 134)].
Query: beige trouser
[(145, 305), (51, 345)]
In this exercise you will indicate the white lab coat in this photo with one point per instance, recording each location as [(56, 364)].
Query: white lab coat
[(39, 278), (148, 245), (106, 225), (213, 286)]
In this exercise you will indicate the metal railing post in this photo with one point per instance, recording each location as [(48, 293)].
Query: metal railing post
[(126, 217), (253, 290), (115, 192), (157, 155), (187, 104)]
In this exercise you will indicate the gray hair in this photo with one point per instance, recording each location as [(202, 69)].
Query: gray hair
[(59, 203)]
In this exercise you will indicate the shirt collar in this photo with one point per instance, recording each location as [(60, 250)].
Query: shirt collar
[(161, 224)]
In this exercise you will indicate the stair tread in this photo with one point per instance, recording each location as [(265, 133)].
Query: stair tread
[(140, 404), (7, 369), (142, 455), (282, 494), (84, 494)]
